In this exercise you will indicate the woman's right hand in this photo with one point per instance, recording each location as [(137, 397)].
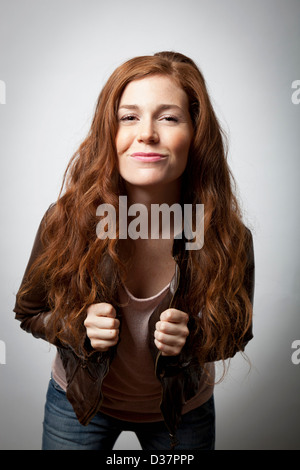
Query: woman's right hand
[(102, 326)]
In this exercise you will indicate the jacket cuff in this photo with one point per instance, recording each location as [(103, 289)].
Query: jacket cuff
[(169, 366)]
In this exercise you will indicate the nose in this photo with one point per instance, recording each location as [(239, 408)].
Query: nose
[(147, 132)]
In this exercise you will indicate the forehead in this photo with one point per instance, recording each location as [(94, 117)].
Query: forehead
[(155, 89)]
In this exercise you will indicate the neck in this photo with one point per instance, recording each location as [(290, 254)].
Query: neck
[(156, 194), (168, 195)]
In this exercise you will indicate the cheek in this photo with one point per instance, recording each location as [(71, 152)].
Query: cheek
[(123, 141), (119, 142), (181, 144)]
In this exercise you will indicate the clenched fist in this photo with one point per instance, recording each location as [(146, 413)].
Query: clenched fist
[(102, 326), (171, 332)]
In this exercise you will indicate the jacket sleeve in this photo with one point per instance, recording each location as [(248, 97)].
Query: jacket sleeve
[(32, 309), (249, 283)]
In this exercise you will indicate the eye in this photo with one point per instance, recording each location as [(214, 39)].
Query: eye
[(128, 118), (169, 118)]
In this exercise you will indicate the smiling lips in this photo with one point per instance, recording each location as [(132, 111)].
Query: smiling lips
[(148, 157)]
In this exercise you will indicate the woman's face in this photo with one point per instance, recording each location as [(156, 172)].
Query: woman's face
[(154, 131)]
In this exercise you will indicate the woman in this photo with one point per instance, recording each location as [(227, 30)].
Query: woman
[(139, 322)]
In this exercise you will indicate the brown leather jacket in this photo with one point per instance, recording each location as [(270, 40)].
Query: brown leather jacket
[(179, 376)]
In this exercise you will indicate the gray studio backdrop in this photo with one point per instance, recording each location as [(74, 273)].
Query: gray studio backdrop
[(55, 55)]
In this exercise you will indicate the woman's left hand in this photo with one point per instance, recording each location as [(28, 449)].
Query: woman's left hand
[(171, 332)]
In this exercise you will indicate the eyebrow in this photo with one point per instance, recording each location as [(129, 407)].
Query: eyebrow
[(161, 107)]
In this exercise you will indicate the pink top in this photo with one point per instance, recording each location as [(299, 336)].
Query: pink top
[(131, 390)]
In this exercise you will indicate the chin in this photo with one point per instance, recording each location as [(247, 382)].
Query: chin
[(145, 181)]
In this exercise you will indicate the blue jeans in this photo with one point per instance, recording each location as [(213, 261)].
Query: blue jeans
[(62, 430)]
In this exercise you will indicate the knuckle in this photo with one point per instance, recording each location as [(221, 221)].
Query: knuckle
[(109, 310), (101, 309), (110, 323), (166, 315), (96, 344), (114, 334), (90, 308), (160, 336), (87, 323), (171, 313), (184, 317)]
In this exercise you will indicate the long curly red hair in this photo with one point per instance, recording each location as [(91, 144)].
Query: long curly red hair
[(71, 267)]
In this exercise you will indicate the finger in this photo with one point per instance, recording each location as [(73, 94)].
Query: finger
[(101, 345), (101, 339), (104, 335), (94, 321), (102, 309), (170, 340), (169, 328), (174, 316), (167, 350)]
